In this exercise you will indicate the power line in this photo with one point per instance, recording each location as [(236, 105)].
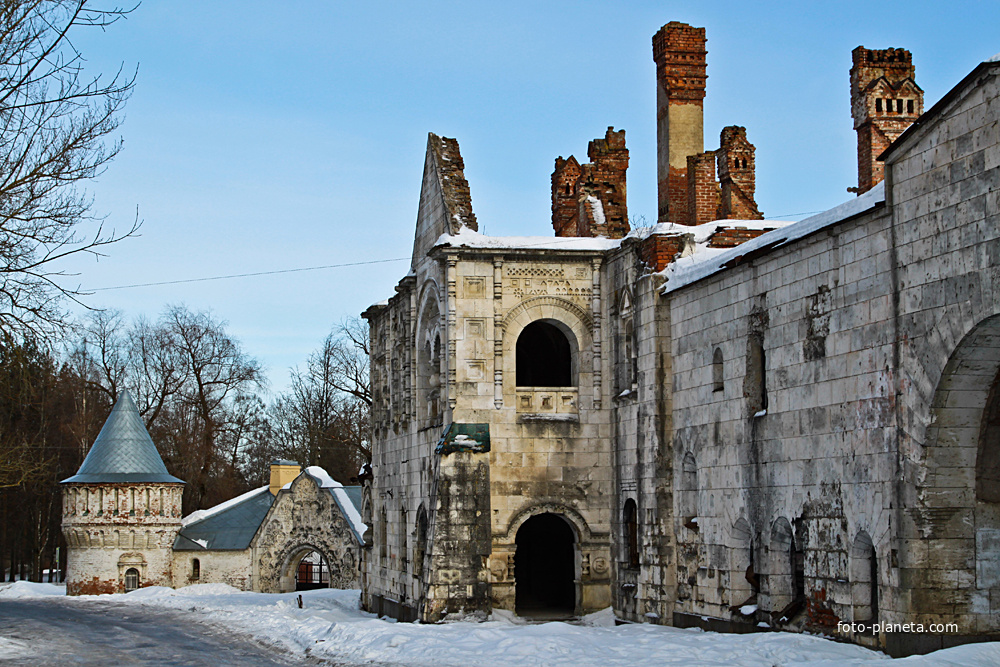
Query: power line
[(246, 275)]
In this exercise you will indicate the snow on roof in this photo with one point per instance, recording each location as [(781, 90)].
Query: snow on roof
[(466, 238), (994, 59), (201, 515), (344, 501), (705, 261)]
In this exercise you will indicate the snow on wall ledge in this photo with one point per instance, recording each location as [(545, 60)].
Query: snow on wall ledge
[(466, 238), (704, 261)]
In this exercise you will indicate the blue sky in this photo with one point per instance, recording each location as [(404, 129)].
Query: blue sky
[(270, 136)]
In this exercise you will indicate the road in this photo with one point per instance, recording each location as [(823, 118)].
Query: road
[(61, 632)]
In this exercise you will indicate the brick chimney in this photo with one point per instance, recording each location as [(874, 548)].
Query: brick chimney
[(702, 189), (282, 472), (679, 53), (885, 100)]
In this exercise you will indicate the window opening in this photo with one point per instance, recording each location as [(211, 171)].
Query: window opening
[(717, 380), (543, 357), (909, 106), (196, 569), (131, 579), (630, 519), (418, 566)]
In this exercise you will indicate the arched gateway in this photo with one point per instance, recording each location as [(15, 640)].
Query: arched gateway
[(545, 566)]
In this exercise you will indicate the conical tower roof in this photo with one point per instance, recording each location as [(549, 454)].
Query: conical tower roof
[(123, 452)]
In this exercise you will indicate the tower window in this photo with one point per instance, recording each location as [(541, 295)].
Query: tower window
[(878, 104), (909, 106), (899, 106)]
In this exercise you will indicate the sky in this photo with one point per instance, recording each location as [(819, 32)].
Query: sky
[(266, 137)]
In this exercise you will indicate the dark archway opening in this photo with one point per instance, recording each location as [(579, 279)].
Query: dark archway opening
[(544, 567), (544, 357)]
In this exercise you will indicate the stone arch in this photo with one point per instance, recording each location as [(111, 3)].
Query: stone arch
[(742, 570), (430, 345), (546, 566), (304, 517), (574, 518), (955, 509), (864, 579), (781, 565)]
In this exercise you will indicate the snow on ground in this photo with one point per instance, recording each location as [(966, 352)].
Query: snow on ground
[(330, 626)]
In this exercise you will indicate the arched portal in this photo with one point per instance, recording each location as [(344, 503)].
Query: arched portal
[(312, 572), (545, 566)]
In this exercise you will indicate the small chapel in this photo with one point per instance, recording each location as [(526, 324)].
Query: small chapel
[(124, 530)]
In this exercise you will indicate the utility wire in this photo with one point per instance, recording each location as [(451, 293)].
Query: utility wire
[(246, 275)]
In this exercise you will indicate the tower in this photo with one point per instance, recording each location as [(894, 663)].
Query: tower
[(121, 510), (590, 199), (679, 53), (885, 100)]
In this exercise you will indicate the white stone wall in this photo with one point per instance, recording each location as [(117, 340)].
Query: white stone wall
[(110, 528), (233, 568)]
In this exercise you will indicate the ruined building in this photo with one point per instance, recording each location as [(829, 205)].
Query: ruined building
[(124, 531), (731, 423)]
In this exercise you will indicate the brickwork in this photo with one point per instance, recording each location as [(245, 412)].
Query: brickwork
[(737, 175), (728, 237), (658, 250), (679, 53), (885, 100), (591, 199), (703, 189), (564, 198)]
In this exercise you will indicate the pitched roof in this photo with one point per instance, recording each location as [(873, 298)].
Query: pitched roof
[(123, 451), (230, 525)]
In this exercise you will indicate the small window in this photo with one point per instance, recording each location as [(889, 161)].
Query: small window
[(196, 569), (630, 519), (909, 106), (756, 379), (717, 380), (878, 105), (131, 579), (418, 557), (899, 106), (403, 542)]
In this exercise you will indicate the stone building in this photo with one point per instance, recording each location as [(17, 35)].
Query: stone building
[(728, 424), (123, 526)]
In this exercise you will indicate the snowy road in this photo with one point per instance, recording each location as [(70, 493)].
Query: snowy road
[(56, 632)]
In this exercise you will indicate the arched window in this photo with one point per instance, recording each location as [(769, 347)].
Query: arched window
[(196, 569), (544, 357), (418, 556), (630, 521), (864, 579), (717, 379), (403, 542), (131, 579), (383, 538), (756, 378)]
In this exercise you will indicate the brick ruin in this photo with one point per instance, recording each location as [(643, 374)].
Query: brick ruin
[(590, 199), (885, 100)]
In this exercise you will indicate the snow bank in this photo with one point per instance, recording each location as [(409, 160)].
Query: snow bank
[(30, 589), (330, 626)]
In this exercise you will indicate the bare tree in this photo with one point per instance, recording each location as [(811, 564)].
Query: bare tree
[(55, 123)]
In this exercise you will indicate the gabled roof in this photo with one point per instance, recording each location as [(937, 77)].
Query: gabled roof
[(230, 525), (123, 451)]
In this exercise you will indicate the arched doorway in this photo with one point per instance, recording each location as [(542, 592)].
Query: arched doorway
[(312, 572), (545, 567)]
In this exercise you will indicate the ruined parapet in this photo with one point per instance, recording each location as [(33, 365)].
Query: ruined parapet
[(590, 199), (679, 53), (885, 100), (454, 187), (445, 199), (737, 180), (702, 189), (564, 198)]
